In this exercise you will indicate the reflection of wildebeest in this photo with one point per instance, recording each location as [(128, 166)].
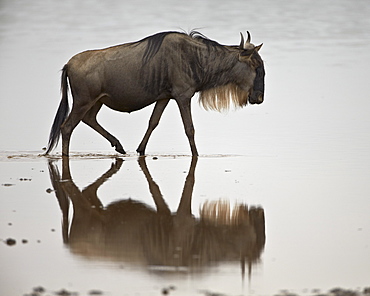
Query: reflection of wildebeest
[(161, 67), (130, 231)]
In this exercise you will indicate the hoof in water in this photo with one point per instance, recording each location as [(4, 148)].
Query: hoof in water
[(141, 153), (121, 150)]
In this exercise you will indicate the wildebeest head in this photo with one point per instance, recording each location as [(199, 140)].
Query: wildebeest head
[(243, 81), (249, 54)]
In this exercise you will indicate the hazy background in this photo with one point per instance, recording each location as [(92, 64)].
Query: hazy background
[(316, 63)]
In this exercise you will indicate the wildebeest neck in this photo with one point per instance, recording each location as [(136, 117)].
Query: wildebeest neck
[(201, 62)]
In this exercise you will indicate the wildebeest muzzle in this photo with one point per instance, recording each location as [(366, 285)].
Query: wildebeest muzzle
[(258, 92)]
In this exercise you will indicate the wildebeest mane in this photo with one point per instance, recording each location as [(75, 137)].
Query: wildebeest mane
[(204, 39), (155, 41)]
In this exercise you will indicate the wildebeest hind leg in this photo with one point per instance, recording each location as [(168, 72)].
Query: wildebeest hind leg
[(77, 113), (90, 120), (153, 122)]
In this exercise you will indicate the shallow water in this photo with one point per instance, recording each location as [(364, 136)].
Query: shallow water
[(316, 226), (302, 155)]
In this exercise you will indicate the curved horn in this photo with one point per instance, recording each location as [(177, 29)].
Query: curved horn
[(249, 37), (241, 41)]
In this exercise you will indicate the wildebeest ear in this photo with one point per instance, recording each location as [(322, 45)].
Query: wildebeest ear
[(258, 47)]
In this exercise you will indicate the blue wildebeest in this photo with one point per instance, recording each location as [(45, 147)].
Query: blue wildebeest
[(168, 65)]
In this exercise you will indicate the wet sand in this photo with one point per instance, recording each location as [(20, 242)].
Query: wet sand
[(39, 291)]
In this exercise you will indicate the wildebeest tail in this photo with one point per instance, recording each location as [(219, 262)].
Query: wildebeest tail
[(62, 112)]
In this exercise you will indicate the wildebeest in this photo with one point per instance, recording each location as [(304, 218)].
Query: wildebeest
[(128, 230), (164, 66)]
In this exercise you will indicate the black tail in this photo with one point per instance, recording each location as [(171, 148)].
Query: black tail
[(61, 113)]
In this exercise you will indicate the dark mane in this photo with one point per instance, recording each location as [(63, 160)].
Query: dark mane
[(204, 39), (155, 41)]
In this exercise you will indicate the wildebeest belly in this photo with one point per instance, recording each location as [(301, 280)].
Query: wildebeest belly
[(127, 101)]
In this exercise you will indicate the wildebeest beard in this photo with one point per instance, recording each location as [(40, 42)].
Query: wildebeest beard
[(222, 97)]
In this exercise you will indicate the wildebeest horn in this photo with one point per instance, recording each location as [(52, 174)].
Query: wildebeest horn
[(241, 41), (249, 37)]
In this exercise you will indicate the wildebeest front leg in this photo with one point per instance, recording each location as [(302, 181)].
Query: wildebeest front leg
[(153, 122), (185, 111), (90, 120)]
